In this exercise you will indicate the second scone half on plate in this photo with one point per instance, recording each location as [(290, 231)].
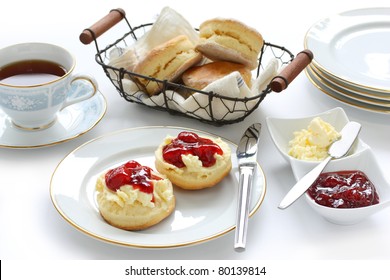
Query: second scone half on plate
[(193, 162)]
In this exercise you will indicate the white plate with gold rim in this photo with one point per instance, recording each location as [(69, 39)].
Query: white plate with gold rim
[(353, 47), (72, 122), (199, 215)]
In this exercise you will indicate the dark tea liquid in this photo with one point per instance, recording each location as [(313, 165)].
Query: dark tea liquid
[(30, 72)]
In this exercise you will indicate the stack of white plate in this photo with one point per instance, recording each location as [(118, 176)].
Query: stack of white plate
[(352, 57)]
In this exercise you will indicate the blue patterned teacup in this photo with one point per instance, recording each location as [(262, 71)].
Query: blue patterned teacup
[(30, 96)]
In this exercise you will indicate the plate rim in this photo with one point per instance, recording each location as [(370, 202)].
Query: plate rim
[(372, 101), (343, 99), (87, 232), (373, 94)]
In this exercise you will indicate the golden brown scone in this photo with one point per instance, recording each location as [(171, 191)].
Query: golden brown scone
[(130, 208), (193, 175), (230, 40), (167, 62), (198, 77)]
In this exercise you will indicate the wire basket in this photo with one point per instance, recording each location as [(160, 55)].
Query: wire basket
[(209, 107)]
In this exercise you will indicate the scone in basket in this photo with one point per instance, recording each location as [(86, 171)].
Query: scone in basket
[(227, 102)]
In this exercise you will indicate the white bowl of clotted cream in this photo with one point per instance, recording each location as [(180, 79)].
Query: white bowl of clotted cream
[(282, 132)]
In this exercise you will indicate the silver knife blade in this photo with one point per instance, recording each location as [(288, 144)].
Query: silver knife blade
[(338, 149), (247, 163)]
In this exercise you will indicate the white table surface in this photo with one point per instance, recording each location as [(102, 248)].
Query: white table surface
[(31, 228)]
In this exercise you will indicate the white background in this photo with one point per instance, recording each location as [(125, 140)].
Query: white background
[(31, 228)]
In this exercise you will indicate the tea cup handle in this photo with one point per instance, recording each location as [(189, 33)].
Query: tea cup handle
[(80, 93)]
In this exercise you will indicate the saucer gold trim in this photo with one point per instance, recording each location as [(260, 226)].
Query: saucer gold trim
[(46, 143)]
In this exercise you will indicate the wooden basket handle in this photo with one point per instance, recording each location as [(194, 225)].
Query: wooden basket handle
[(291, 71), (101, 26)]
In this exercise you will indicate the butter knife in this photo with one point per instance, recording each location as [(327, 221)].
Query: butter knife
[(338, 149), (247, 164)]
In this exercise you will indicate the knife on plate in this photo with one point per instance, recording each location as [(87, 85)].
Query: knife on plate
[(338, 149), (247, 164)]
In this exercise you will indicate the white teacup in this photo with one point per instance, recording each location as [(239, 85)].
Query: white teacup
[(32, 98)]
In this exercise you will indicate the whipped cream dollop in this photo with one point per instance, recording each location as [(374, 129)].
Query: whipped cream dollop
[(128, 195)]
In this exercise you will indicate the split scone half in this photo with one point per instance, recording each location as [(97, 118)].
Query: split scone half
[(134, 197), (192, 162)]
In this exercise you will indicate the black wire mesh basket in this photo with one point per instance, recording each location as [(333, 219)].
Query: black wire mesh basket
[(210, 107)]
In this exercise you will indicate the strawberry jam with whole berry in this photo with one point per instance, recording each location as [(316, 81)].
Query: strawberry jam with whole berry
[(131, 173), (344, 189), (190, 143)]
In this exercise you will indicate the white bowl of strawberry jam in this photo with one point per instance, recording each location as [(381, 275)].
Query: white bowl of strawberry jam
[(350, 189)]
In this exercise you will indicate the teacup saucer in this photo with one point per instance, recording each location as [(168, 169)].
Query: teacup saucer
[(72, 122)]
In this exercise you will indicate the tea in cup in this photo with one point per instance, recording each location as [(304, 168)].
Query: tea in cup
[(36, 82)]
